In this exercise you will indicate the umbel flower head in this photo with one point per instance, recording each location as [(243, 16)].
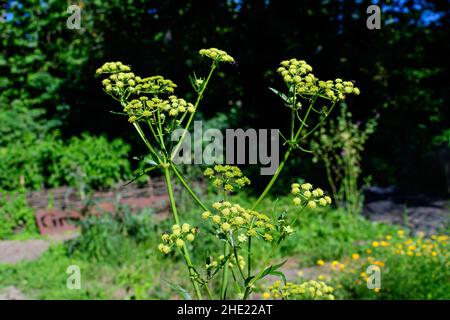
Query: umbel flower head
[(298, 75), (229, 218), (227, 177), (154, 85), (217, 55), (113, 67), (157, 109), (304, 194), (121, 83), (177, 237), (310, 290)]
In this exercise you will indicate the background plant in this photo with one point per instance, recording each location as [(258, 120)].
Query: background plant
[(109, 236), (411, 267), (15, 214), (45, 69), (85, 162), (339, 146)]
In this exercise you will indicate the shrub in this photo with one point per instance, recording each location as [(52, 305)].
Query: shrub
[(107, 237), (91, 161), (86, 162), (15, 214)]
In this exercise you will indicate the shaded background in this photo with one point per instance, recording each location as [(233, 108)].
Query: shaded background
[(47, 71)]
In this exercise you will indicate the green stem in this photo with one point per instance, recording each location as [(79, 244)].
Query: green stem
[(224, 282), (256, 278), (171, 196), (320, 123), (237, 263), (186, 186), (249, 257), (208, 291), (177, 221), (147, 143), (160, 131), (286, 156), (199, 98), (236, 282), (330, 178), (226, 252), (292, 123), (274, 178)]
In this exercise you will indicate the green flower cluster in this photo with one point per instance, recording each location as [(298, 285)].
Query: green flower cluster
[(338, 89), (113, 67), (310, 290), (298, 73), (155, 85), (226, 177), (305, 194), (293, 70), (156, 109), (122, 82), (177, 237), (119, 84), (232, 219), (217, 55)]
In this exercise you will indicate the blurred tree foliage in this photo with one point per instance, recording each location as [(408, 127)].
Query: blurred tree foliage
[(47, 71)]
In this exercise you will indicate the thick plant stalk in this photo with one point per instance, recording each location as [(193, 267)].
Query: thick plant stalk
[(188, 189), (249, 257), (177, 221), (226, 252), (257, 277), (224, 282)]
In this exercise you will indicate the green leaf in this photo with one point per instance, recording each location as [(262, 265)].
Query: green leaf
[(247, 281), (272, 269), (119, 113), (141, 173), (279, 274), (181, 291), (280, 94), (266, 271), (277, 266)]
